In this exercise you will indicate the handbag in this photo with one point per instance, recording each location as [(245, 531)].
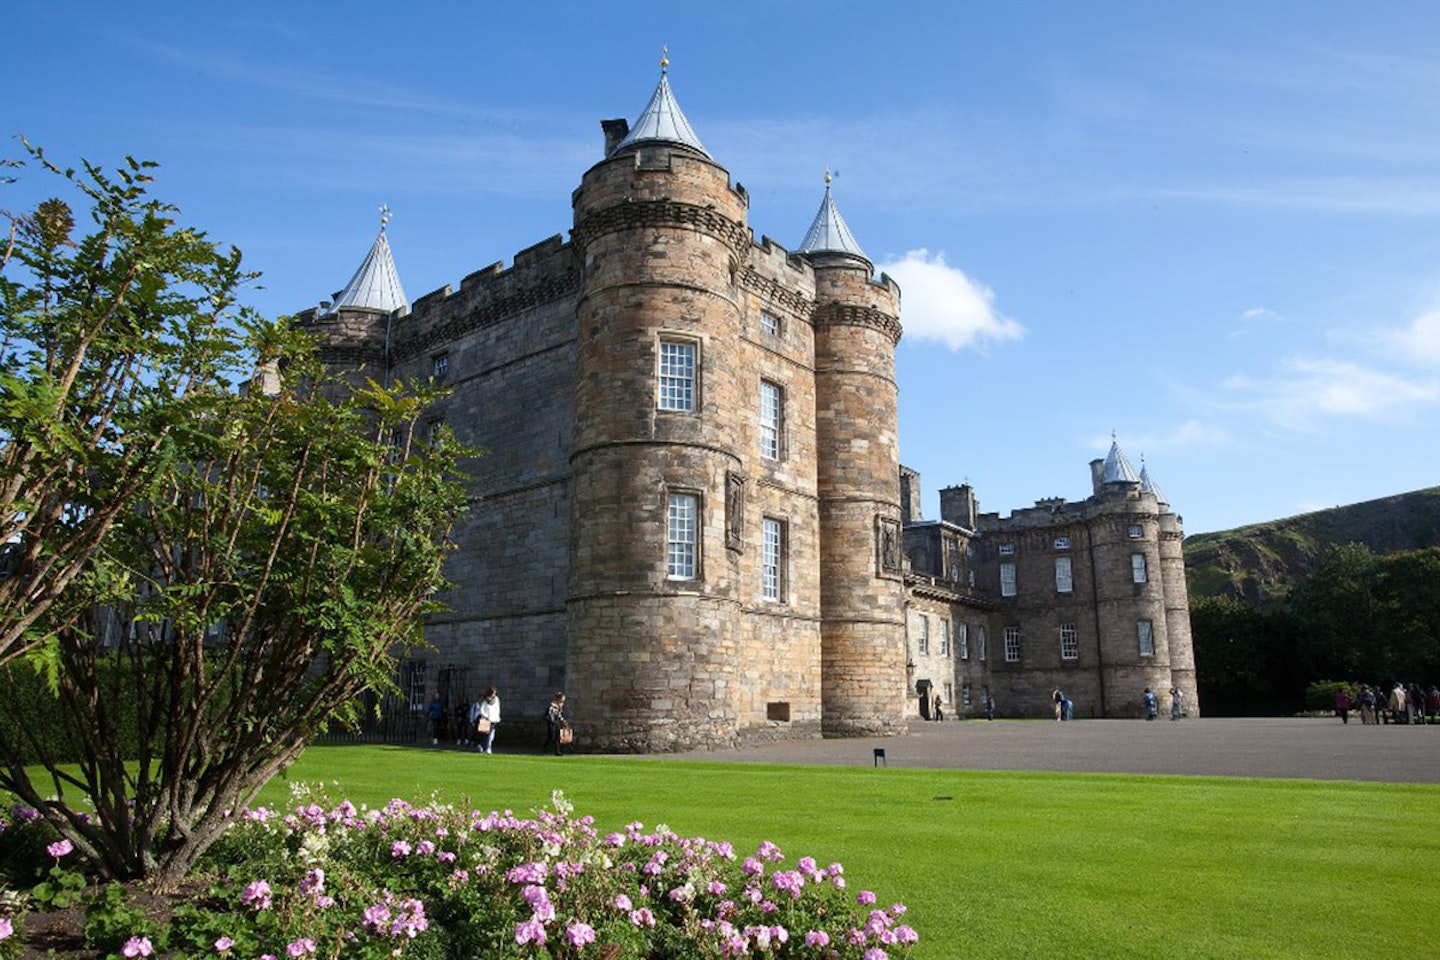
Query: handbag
[(567, 735), (482, 725)]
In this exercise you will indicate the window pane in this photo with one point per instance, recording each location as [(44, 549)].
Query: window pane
[(1069, 642), (769, 324), (1147, 638), (772, 549), (1063, 581), (962, 635), (1137, 566), (677, 375), (1012, 644), (771, 405), (1007, 579), (682, 529), (982, 641)]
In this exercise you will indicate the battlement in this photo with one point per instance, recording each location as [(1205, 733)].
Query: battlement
[(538, 274)]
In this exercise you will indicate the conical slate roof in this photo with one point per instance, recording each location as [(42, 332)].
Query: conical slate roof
[(828, 233), (663, 120), (1117, 468), (1147, 484), (376, 285)]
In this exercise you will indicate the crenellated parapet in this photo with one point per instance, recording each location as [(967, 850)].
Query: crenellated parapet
[(844, 314), (663, 213)]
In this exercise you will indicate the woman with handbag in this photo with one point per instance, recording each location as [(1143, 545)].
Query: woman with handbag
[(557, 728), (487, 715)]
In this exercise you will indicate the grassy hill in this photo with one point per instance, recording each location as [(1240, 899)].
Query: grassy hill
[(1258, 564)]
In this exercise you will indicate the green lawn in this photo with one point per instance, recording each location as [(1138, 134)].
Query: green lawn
[(1000, 865)]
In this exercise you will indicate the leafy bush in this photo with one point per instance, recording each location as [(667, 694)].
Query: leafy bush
[(1320, 695)]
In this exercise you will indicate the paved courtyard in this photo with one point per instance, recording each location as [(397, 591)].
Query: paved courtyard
[(1309, 748)]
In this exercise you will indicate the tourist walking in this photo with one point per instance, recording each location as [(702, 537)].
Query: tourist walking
[(989, 706), (1152, 704), (1397, 704), (1059, 699), (436, 716), (939, 714), (557, 727), (1367, 704), (1342, 705), (486, 714)]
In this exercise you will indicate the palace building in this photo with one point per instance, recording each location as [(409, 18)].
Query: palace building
[(692, 516)]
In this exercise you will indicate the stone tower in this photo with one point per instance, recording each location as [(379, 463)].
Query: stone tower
[(661, 405), (1126, 544), (1177, 595), (862, 594)]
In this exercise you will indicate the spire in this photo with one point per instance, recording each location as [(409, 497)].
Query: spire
[(376, 285), (1117, 468), (662, 119), (829, 234), (1147, 483)]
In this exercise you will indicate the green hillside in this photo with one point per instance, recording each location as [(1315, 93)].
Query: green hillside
[(1258, 564)]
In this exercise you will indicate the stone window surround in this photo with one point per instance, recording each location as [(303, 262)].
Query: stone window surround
[(772, 420), (683, 511), (1064, 575), (677, 390), (1145, 633), (1012, 644), (1069, 642), (772, 559)]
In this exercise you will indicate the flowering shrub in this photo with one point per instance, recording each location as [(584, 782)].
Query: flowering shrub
[(432, 881)]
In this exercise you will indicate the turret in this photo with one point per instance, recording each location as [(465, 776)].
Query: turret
[(355, 327), (654, 651), (862, 598)]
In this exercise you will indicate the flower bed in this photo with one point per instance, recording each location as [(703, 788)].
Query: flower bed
[(432, 881)]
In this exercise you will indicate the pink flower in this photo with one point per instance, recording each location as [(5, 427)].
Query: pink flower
[(59, 848), (137, 947), (256, 895), (578, 934), (875, 953), (864, 898), (531, 931), (906, 935), (7, 929), (622, 902), (399, 848), (817, 938), (223, 944), (301, 947)]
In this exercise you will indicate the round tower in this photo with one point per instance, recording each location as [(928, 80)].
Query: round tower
[(862, 592), (1130, 596), (653, 647), (1177, 596)]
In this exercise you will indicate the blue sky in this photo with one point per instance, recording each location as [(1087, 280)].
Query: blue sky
[(1213, 229)]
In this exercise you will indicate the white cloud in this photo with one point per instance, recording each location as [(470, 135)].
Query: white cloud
[(1259, 314), (939, 302), (1306, 389), (1419, 343)]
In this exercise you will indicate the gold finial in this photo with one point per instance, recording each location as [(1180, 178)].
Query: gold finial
[(664, 59), (828, 178), (384, 215)]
